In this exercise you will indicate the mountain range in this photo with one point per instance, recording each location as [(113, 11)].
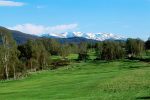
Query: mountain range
[(75, 37), (92, 36)]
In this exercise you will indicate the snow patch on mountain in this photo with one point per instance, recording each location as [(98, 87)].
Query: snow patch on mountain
[(93, 36)]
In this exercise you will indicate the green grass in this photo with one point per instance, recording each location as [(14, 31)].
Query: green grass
[(73, 56), (93, 80)]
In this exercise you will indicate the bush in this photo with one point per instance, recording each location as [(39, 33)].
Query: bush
[(83, 56), (140, 59), (59, 63)]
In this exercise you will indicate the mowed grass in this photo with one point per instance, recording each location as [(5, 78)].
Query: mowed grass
[(92, 80)]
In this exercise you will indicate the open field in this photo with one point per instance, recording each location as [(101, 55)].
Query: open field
[(93, 80), (75, 50)]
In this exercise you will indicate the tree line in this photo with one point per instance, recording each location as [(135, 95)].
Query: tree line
[(34, 55)]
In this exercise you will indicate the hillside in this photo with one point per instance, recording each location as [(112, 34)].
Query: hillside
[(23, 37), (19, 36), (119, 80), (74, 40)]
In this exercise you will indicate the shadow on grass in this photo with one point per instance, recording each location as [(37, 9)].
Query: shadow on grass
[(144, 98)]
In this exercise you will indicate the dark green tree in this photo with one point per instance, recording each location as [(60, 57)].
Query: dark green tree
[(34, 54), (65, 50), (51, 45), (99, 49), (134, 47), (147, 44), (83, 51), (111, 51)]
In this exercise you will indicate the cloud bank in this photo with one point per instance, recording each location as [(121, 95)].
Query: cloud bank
[(40, 29), (10, 3)]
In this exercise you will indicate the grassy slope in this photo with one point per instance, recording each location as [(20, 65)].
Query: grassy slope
[(118, 80)]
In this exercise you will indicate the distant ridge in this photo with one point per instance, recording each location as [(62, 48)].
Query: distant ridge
[(19, 36), (74, 40)]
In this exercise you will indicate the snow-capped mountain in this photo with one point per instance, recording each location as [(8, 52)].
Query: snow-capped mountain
[(93, 36)]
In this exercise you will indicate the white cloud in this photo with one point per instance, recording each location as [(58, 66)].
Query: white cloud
[(10, 3), (40, 29)]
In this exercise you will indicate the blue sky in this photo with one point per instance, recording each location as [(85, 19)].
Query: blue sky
[(130, 18)]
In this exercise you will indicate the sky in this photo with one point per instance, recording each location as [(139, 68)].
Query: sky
[(129, 18)]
